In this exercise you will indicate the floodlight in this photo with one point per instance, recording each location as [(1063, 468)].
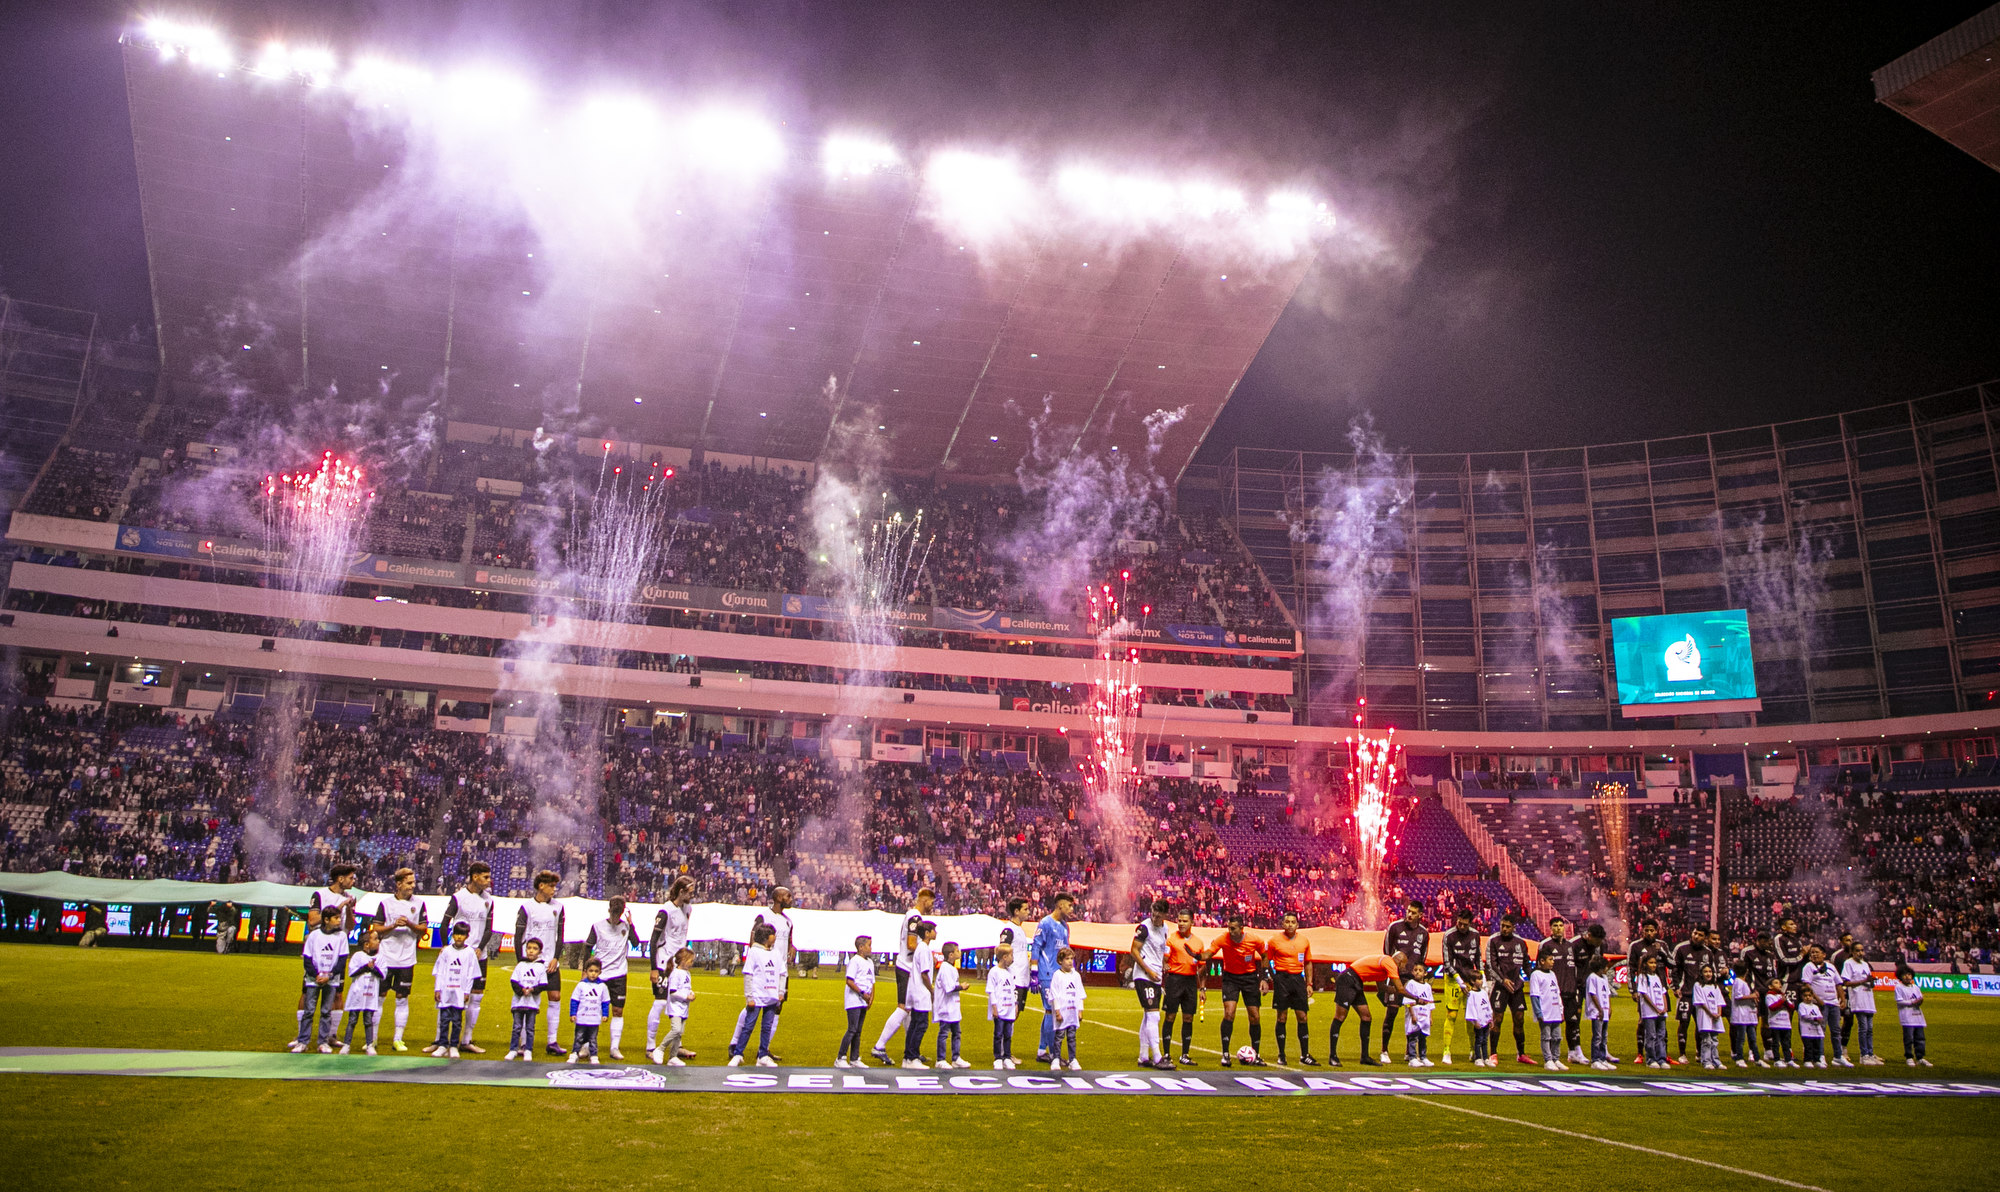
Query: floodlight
[(732, 140), (980, 193), (844, 155)]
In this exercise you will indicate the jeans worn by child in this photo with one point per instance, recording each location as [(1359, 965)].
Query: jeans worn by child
[(1600, 1040), (1913, 1042), (1066, 1038), (523, 1038), (1482, 1042), (947, 1042)]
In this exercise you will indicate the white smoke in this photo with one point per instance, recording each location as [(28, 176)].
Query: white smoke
[(1351, 531)]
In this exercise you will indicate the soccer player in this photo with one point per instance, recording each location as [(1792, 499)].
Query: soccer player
[(1291, 985), (452, 975), (541, 920), (1463, 955), (589, 1003), (1409, 938), (670, 933), (1051, 937), (1149, 962), (1649, 943), (338, 893), (399, 920), (1790, 948), (1243, 979), (1186, 959), (364, 993), (856, 998), (920, 994), (528, 979), (781, 947), (1348, 994), (325, 956), (1507, 964), (610, 942), (1560, 951), (473, 906), (1001, 1006), (906, 943)]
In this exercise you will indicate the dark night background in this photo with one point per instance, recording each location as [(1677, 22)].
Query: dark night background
[(1568, 223)]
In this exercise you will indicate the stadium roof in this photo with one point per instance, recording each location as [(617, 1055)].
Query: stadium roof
[(288, 221), (1951, 85)]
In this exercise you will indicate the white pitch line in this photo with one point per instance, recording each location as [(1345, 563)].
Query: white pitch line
[(1630, 1146)]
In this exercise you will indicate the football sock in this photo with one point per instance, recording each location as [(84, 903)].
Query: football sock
[(471, 1015), (1333, 1039), (1281, 1037), (1187, 1034), (1228, 1028), (1149, 1035), (653, 1023), (897, 1018), (402, 1016), (555, 1018), (1256, 1035), (618, 1033)]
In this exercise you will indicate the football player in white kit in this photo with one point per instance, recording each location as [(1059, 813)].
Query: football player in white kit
[(473, 906), (780, 919), (670, 934), (541, 919), (399, 921), (906, 942), (610, 941), (1149, 966)]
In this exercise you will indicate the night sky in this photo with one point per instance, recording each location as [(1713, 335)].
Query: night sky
[(1562, 223)]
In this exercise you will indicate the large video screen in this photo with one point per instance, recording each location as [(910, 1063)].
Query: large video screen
[(1685, 662)]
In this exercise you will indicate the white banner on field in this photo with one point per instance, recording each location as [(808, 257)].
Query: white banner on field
[(812, 931)]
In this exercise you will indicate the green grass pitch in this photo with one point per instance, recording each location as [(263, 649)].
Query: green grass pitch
[(119, 1132)]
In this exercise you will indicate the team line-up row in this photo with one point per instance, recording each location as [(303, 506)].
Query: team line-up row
[(1755, 996)]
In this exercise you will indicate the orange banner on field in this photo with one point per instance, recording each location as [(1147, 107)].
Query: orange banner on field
[(1330, 945)]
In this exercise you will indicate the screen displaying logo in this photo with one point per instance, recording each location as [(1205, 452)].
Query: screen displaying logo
[(1685, 662)]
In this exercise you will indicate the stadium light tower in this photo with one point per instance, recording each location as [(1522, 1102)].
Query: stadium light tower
[(845, 155), (980, 194)]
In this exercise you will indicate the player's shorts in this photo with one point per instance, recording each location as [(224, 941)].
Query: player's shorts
[(1683, 1007), (400, 981), (1021, 993), (1244, 986), (1288, 992), (1516, 1001), (1180, 993), (479, 982), (615, 986), (554, 981), (1149, 994), (1349, 991)]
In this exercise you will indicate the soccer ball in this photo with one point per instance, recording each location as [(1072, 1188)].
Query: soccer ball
[(1246, 1053)]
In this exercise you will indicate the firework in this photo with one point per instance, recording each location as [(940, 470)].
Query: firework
[(1609, 798), (313, 515), (1117, 703), (1374, 761)]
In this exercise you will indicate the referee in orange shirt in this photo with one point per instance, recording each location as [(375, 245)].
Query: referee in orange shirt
[(1243, 979), (1185, 960), (1291, 985)]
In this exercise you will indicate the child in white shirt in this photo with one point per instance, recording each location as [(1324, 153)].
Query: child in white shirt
[(1711, 1014), (1418, 1001), (452, 975), (1910, 1013), (1858, 977), (1778, 1023), (947, 1012), (1479, 1020), (857, 996), (1001, 1005), (1812, 1029), (1652, 993), (1066, 993), (680, 996), (1546, 997), (1597, 1010), (589, 1005), (763, 990), (325, 956), (364, 993), (528, 978), (1743, 1018)]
